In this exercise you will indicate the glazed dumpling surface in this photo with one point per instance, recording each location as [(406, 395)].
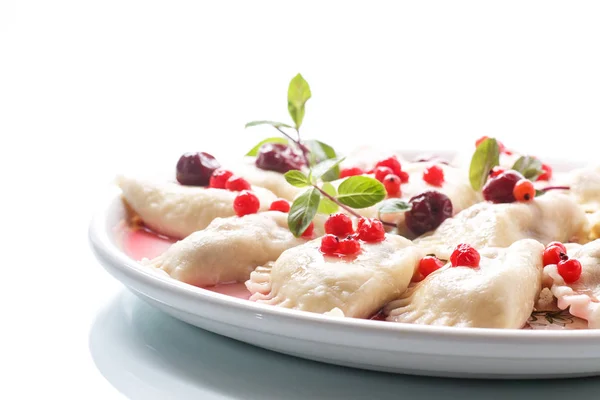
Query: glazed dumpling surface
[(228, 249), (547, 218), (303, 278), (176, 210), (499, 294), (583, 296)]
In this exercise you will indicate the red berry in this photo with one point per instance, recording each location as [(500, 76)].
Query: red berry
[(346, 172), (307, 234), (219, 178), (246, 203), (559, 244), (403, 175), (237, 184), (195, 169), (465, 255), (349, 246), (428, 210), (524, 191), (370, 230), (434, 175), (496, 171), (500, 188), (553, 255), (339, 224), (547, 175), (570, 270), (392, 185), (390, 162), (329, 244), (429, 264), (382, 172), (280, 205)]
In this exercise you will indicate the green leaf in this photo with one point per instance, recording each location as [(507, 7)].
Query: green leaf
[(529, 167), (327, 206), (303, 211), (296, 178), (391, 206), (255, 149), (320, 152), (486, 157), (360, 192), (539, 193), (298, 95), (325, 167), (272, 123)]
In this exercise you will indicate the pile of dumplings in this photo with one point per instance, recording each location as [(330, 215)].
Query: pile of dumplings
[(218, 247)]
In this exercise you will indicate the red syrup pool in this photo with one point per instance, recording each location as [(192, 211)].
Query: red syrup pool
[(139, 242)]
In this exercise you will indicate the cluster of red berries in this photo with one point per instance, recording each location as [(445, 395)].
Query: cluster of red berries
[(464, 255), (341, 239), (568, 268), (387, 171)]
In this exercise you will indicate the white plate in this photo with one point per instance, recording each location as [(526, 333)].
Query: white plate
[(375, 345)]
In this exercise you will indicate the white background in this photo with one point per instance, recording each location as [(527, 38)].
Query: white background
[(89, 88)]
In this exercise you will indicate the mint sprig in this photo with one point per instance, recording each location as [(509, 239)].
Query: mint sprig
[(303, 211), (486, 157)]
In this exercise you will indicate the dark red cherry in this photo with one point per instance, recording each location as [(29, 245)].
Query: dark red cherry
[(195, 169), (500, 188), (279, 157), (429, 210)]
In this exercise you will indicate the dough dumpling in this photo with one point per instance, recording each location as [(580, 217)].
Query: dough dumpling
[(228, 249), (303, 278), (499, 294), (550, 217), (584, 186), (271, 180), (176, 210), (583, 296)]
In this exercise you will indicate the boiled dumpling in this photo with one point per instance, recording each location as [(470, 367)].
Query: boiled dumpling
[(550, 217), (228, 249), (499, 294), (582, 297), (584, 184), (303, 278), (271, 180), (176, 210)]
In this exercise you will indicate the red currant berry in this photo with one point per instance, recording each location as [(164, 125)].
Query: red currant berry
[(219, 178), (329, 244), (280, 205), (434, 175), (500, 188), (246, 203), (553, 255), (496, 171), (392, 185), (524, 191), (547, 175), (349, 246), (559, 244), (307, 234), (390, 162), (382, 172), (370, 230), (429, 264), (404, 177), (346, 172), (465, 255), (339, 225), (570, 270), (237, 184)]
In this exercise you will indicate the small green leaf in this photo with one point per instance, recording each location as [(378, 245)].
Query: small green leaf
[(298, 94), (360, 192), (303, 211), (539, 193), (320, 152), (255, 149), (327, 206), (296, 178), (325, 167), (486, 157), (391, 206), (272, 123), (529, 167)]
